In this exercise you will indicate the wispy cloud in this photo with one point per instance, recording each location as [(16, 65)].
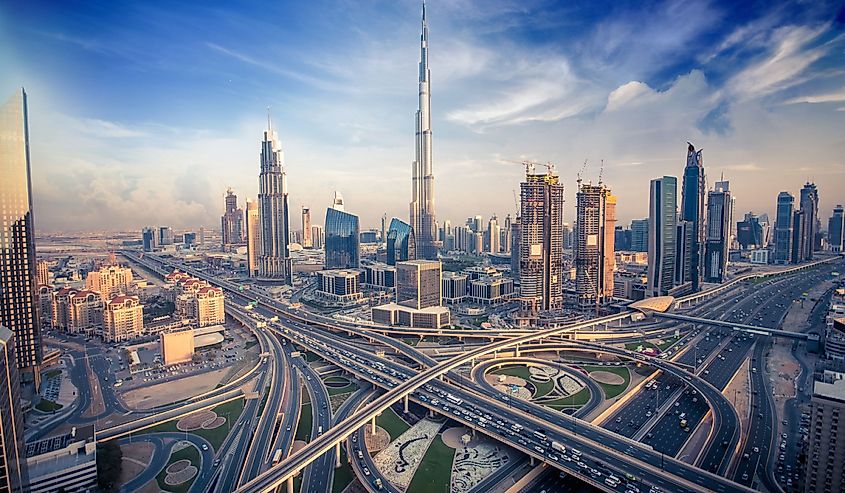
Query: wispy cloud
[(743, 167), (106, 129), (830, 97)]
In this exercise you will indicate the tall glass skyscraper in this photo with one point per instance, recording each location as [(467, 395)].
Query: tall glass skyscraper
[(811, 239), (401, 243), (274, 234), (692, 210), (13, 474), (836, 229), (18, 294), (343, 248), (662, 232), (719, 214), (783, 228)]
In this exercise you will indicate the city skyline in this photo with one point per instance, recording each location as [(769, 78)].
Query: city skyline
[(748, 102)]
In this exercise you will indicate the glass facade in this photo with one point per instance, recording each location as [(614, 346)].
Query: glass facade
[(13, 474), (401, 244), (342, 241), (783, 228), (662, 231), (18, 296)]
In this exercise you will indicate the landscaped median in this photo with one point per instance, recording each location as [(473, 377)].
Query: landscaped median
[(612, 379), (181, 469), (213, 424)]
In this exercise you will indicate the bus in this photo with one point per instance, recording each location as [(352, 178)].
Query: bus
[(277, 456), (454, 400)]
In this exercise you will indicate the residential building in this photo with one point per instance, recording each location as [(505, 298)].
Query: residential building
[(307, 241), (85, 313), (836, 230), (253, 238), (123, 319), (210, 306), (65, 462), (639, 235), (662, 235), (719, 220), (14, 476), (232, 222), (594, 237), (61, 308), (826, 452), (110, 281), (165, 235), (783, 228), (45, 305), (422, 213), (18, 297), (493, 235), (42, 273), (401, 242), (541, 244), (274, 262), (692, 211), (343, 249)]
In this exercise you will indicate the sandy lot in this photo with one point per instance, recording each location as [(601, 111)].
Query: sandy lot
[(607, 378), (169, 392), (136, 457)]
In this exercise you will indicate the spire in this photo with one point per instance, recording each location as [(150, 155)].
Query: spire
[(269, 123)]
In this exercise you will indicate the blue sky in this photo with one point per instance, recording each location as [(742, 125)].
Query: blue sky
[(144, 112)]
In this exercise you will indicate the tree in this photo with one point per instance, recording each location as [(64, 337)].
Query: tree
[(109, 466)]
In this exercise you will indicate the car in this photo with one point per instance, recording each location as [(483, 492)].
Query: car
[(756, 450), (366, 471), (204, 446)]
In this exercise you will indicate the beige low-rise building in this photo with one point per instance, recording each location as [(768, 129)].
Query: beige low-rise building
[(123, 319), (176, 347)]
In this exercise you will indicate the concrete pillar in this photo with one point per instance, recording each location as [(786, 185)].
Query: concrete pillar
[(406, 404), (373, 426), (290, 484), (532, 460), (517, 351), (337, 455)]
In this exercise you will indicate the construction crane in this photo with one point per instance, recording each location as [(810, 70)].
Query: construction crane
[(581, 172), (531, 165)]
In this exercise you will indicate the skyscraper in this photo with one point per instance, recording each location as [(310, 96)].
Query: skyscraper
[(809, 204), (422, 176), (253, 238), (18, 292), (751, 232), (232, 222), (401, 243), (418, 283), (836, 229), (274, 261), (149, 239), (783, 228), (516, 241), (541, 242), (692, 210), (719, 214), (343, 242), (306, 228), (13, 475), (662, 232), (318, 236), (165, 235), (639, 235), (493, 234), (594, 238)]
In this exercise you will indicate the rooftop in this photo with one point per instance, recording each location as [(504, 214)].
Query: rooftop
[(831, 387)]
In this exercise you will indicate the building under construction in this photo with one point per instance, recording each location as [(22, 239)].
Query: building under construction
[(540, 244), (594, 237)]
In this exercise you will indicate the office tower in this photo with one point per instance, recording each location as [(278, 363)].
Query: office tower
[(683, 254), (110, 281), (343, 248), (477, 243), (639, 235), (210, 306), (253, 238), (202, 235), (478, 224), (662, 233), (622, 239), (165, 235), (516, 241), (13, 476), (422, 176), (541, 242), (418, 283), (369, 236), (719, 214), (799, 236), (826, 450), (447, 230), (836, 229), (783, 228), (318, 236), (811, 238), (123, 319), (18, 291), (232, 222), (493, 233), (306, 228), (42, 272), (149, 238), (507, 233), (189, 238), (594, 234), (274, 261), (384, 227), (401, 243), (692, 210), (750, 232)]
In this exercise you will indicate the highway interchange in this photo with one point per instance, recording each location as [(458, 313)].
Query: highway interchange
[(604, 452)]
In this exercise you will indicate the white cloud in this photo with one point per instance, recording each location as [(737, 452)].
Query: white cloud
[(631, 92), (107, 129), (830, 97)]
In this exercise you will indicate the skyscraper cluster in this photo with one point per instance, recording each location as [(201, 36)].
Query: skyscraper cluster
[(797, 232)]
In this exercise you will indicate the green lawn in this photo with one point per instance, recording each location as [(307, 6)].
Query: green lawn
[(542, 388), (577, 400), (303, 428), (393, 424), (229, 410), (48, 406), (633, 346), (611, 391), (667, 342), (188, 453), (435, 472), (51, 374), (342, 475), (342, 390)]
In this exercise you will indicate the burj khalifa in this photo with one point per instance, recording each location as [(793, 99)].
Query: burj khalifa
[(422, 192)]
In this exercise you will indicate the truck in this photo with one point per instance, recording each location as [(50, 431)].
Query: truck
[(558, 446), (277, 456)]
